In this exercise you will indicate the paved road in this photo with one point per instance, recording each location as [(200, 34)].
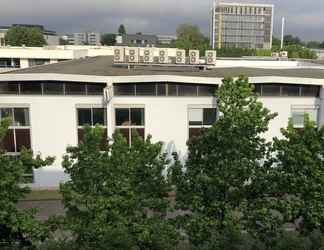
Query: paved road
[(46, 208)]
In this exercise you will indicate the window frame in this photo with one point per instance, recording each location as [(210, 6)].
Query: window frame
[(202, 126), (14, 127), (130, 127), (305, 109)]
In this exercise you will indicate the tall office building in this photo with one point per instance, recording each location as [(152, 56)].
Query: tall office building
[(241, 25)]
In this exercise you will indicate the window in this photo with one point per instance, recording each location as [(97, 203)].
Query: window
[(164, 89), (31, 88), (95, 88), (91, 116), (200, 119), (279, 89), (18, 134), (129, 120), (270, 90), (290, 90), (298, 115), (75, 89), (53, 88), (9, 88)]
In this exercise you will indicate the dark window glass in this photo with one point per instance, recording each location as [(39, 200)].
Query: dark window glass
[(31, 88), (187, 90), (270, 90), (137, 116), (9, 88), (312, 91), (210, 116), (290, 90), (53, 88), (95, 88), (84, 117), (122, 117), (161, 89), (21, 117), (99, 116), (172, 89), (22, 138), (140, 132), (35, 62), (146, 89), (6, 113), (206, 90), (125, 132), (257, 89), (8, 143), (75, 89), (124, 89), (193, 132)]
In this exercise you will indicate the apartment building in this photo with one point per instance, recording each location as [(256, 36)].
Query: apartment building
[(83, 38), (241, 25)]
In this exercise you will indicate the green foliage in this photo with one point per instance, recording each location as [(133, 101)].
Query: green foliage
[(297, 180), (292, 40), (19, 36), (108, 39), (17, 227), (263, 52), (117, 196), (122, 29), (190, 37), (298, 51), (215, 184)]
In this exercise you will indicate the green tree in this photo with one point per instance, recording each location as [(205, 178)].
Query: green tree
[(292, 40), (215, 182), (19, 36), (108, 39), (117, 195), (17, 226), (190, 37), (297, 180), (122, 29)]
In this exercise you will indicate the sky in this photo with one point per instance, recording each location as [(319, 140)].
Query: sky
[(304, 18)]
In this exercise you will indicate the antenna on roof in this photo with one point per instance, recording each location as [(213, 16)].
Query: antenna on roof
[(282, 32)]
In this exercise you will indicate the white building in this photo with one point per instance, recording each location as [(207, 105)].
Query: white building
[(12, 58), (50, 103)]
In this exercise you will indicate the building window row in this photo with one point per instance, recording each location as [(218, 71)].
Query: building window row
[(277, 89), (51, 88), (163, 89)]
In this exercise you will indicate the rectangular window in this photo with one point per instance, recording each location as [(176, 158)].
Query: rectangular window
[(128, 120), (311, 91), (31, 88), (270, 90), (172, 89), (200, 119), (207, 90), (146, 89), (18, 134), (91, 116), (95, 88), (187, 90), (290, 90), (298, 114), (53, 88), (161, 89), (124, 89), (75, 89), (9, 88)]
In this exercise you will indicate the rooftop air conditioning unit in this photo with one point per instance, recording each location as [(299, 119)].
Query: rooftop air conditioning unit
[(133, 55), (284, 54), (148, 56), (194, 56), (163, 56), (180, 56), (275, 54), (119, 55), (210, 57)]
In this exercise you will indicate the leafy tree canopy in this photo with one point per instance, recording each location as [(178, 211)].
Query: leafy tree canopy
[(122, 30), (19, 36), (108, 39)]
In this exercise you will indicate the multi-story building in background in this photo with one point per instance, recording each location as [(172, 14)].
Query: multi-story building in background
[(83, 38), (242, 25)]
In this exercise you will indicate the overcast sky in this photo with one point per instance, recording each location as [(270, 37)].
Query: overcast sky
[(305, 18)]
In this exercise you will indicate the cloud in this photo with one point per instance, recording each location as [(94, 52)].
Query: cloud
[(304, 17)]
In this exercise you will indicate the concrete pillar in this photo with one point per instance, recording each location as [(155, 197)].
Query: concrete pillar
[(24, 63)]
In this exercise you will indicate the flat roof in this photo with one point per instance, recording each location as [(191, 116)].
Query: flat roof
[(103, 66)]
